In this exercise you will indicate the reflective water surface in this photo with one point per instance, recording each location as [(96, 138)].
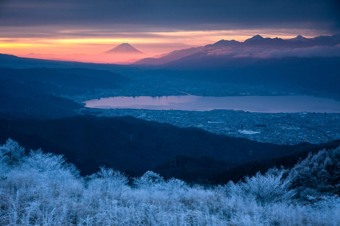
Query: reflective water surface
[(266, 104)]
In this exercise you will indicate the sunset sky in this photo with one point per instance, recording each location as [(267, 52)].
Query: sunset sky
[(81, 30)]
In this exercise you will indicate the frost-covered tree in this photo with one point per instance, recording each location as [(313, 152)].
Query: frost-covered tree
[(106, 184), (317, 175), (148, 179), (264, 188), (11, 152)]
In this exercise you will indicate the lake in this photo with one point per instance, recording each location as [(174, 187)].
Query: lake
[(264, 104)]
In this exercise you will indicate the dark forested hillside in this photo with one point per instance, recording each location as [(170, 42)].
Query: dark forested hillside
[(135, 146), (61, 81), (42, 92), (299, 74)]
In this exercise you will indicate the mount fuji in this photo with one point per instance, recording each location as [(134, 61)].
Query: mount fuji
[(124, 48)]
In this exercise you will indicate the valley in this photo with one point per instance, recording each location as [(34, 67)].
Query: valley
[(60, 89), (279, 128)]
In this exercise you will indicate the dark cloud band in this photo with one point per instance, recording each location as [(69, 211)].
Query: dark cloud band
[(179, 14)]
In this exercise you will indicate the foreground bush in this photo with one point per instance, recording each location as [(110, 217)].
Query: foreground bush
[(317, 175), (41, 189)]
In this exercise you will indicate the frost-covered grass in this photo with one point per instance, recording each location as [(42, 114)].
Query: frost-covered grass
[(41, 189)]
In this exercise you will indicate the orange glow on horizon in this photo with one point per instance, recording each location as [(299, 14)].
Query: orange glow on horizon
[(93, 48)]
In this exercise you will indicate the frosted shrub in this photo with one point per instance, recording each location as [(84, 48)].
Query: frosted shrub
[(44, 162), (149, 178), (34, 188), (41, 189), (11, 152), (54, 171), (174, 185), (267, 188), (108, 179), (104, 185), (317, 175)]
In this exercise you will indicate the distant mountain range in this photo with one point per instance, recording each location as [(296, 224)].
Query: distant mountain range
[(255, 47), (124, 48)]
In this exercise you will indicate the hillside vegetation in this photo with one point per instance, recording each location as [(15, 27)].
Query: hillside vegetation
[(42, 189)]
